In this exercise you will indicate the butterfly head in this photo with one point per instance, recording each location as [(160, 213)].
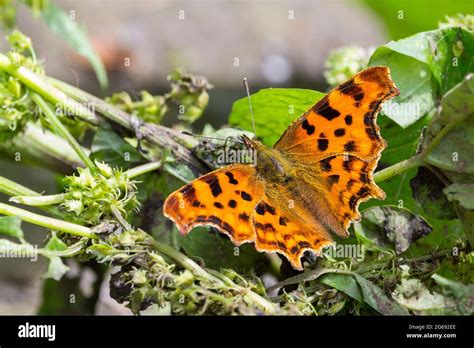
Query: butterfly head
[(250, 143)]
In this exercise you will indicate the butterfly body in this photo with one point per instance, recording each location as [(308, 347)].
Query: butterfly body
[(308, 185)]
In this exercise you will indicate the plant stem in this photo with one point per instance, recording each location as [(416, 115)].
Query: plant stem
[(12, 188), (184, 261), (193, 267), (44, 142), (142, 169), (38, 200), (155, 134), (71, 250), (62, 130), (398, 168), (307, 276), (47, 222), (50, 93)]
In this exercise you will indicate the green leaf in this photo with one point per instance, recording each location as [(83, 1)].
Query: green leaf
[(56, 268), (414, 81), (343, 282), (364, 291), (391, 224), (180, 171), (274, 109), (55, 244), (463, 193), (458, 102), (397, 188), (60, 23), (424, 67), (11, 226), (428, 192), (455, 151), (446, 52), (110, 148), (217, 251), (464, 294), (376, 298)]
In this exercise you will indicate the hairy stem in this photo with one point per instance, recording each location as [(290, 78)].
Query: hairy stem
[(46, 143), (47, 222), (12, 188), (155, 134), (398, 168), (36, 200), (36, 83), (145, 168), (61, 129)]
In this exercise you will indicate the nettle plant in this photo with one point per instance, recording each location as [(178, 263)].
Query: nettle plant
[(409, 254)]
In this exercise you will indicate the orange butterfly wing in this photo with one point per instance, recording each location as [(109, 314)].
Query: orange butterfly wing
[(338, 140), (288, 231), (225, 199), (343, 121), (333, 148)]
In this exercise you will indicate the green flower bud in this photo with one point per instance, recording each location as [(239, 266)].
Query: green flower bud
[(19, 42), (138, 277)]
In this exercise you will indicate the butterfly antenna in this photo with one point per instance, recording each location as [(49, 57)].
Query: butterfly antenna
[(246, 84), (211, 138)]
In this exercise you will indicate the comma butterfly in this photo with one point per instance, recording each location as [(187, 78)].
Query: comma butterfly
[(308, 185)]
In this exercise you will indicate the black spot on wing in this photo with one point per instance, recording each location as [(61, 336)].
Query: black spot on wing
[(269, 227), (333, 179), (232, 180), (282, 221), (244, 217), (264, 207), (350, 183), (213, 181), (308, 127), (371, 133), (326, 164), (197, 204), (350, 146), (364, 177), (245, 196), (216, 221), (189, 193), (323, 144), (339, 132), (368, 118), (304, 244), (352, 89), (363, 192), (353, 202), (325, 110), (348, 119), (218, 205), (232, 203)]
